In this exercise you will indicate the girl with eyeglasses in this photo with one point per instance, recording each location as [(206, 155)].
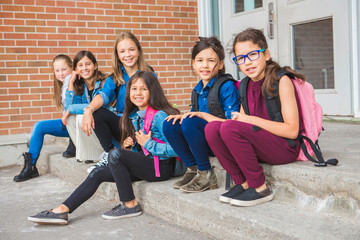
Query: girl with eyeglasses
[(245, 141)]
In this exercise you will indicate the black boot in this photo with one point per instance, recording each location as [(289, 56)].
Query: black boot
[(29, 170), (70, 151)]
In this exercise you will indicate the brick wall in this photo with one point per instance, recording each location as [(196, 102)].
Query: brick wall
[(33, 32)]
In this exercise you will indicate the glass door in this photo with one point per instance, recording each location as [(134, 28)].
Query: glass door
[(317, 44)]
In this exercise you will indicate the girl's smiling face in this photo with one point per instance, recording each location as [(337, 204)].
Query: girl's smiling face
[(139, 94), (61, 70), (253, 69), (206, 64), (86, 68), (128, 53)]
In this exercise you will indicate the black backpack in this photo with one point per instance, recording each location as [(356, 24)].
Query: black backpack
[(213, 97)]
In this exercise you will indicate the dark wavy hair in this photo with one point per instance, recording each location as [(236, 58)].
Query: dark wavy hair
[(272, 68), (98, 75), (214, 44), (157, 101)]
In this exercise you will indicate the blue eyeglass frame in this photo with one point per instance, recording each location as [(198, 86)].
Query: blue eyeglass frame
[(247, 56)]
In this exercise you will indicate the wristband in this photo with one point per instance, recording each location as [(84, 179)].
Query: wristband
[(92, 109)]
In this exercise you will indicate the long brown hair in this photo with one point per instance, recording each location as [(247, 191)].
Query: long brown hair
[(214, 44), (98, 75), (272, 68), (157, 101), (117, 64), (58, 84)]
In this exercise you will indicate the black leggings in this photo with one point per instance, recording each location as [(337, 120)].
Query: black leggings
[(124, 168), (106, 127)]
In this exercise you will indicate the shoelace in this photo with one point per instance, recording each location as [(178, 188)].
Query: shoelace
[(103, 160)]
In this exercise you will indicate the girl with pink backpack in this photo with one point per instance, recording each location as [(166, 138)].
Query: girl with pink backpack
[(251, 137), (145, 153)]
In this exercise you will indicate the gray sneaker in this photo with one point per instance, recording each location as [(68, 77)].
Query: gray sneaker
[(103, 161), (121, 211), (49, 217)]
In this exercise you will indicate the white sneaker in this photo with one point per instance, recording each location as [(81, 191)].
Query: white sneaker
[(103, 162)]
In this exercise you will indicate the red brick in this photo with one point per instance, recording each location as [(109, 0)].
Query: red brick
[(45, 2), (3, 91), (55, 37), (28, 70), (9, 125), (30, 110), (30, 97), (131, 13), (6, 15), (25, 15), (67, 30), (37, 64), (104, 5), (94, 11), (47, 43), (7, 43), (45, 16), (105, 31), (14, 118), (21, 104), (105, 18), (6, 28), (26, 43), (84, 4), (87, 30), (41, 103), (75, 10), (85, 18), (66, 17), (56, 23), (67, 3), (16, 64), (121, 6), (96, 24), (35, 22), (139, 7), (34, 9), (95, 37), (23, 2), (9, 98), (18, 77), (67, 43), (8, 71), (55, 10), (58, 50), (40, 116), (38, 50), (12, 8), (46, 70)]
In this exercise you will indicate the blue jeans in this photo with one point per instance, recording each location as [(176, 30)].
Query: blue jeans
[(189, 142), (52, 127)]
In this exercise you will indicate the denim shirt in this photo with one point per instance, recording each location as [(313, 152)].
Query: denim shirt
[(228, 96), (77, 103), (162, 150)]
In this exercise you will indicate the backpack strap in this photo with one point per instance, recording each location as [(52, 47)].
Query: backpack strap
[(194, 101), (243, 94), (213, 97), (149, 116)]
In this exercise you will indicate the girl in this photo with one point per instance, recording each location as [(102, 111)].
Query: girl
[(84, 84), (143, 94), (237, 144), (187, 135), (62, 69), (128, 58)]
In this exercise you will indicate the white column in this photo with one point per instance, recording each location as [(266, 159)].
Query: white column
[(205, 20), (355, 46)]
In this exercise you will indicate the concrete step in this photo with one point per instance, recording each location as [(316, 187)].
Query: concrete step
[(310, 202)]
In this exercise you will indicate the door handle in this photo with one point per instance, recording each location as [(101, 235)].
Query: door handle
[(271, 20)]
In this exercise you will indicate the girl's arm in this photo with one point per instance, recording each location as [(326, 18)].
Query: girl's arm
[(206, 116), (289, 110)]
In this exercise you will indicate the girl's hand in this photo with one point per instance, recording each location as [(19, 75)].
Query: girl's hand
[(174, 118), (88, 121), (141, 137), (65, 116), (74, 76), (128, 143), (241, 117)]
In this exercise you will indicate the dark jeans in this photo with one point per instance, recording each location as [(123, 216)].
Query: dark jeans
[(107, 125), (188, 141), (124, 168)]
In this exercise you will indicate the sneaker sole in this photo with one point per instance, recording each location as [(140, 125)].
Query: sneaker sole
[(215, 186), (48, 221), (122, 216), (240, 203), (224, 199)]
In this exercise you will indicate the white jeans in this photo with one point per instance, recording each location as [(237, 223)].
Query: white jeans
[(87, 147)]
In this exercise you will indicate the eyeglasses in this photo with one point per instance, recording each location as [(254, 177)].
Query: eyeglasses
[(252, 56)]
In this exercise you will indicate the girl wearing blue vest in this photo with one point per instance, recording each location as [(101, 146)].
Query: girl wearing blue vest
[(128, 58), (143, 94), (85, 83), (185, 132), (248, 139), (62, 69)]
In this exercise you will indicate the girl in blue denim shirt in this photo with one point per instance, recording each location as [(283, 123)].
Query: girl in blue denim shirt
[(62, 69), (186, 132), (85, 83), (129, 163)]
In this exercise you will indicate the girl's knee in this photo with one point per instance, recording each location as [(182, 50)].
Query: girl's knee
[(169, 129), (229, 128), (189, 125), (114, 156), (212, 130)]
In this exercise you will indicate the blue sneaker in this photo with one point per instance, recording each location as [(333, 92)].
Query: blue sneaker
[(233, 192), (121, 211)]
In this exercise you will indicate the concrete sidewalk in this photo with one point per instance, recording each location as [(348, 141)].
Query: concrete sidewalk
[(20, 200)]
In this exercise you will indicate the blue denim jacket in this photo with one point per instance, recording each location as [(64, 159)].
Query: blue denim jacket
[(77, 103), (228, 96), (162, 150)]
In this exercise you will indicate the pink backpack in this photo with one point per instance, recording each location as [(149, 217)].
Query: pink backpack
[(180, 167), (311, 113)]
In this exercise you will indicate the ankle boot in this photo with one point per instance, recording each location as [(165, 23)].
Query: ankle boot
[(29, 170), (188, 176), (70, 151), (202, 181)]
